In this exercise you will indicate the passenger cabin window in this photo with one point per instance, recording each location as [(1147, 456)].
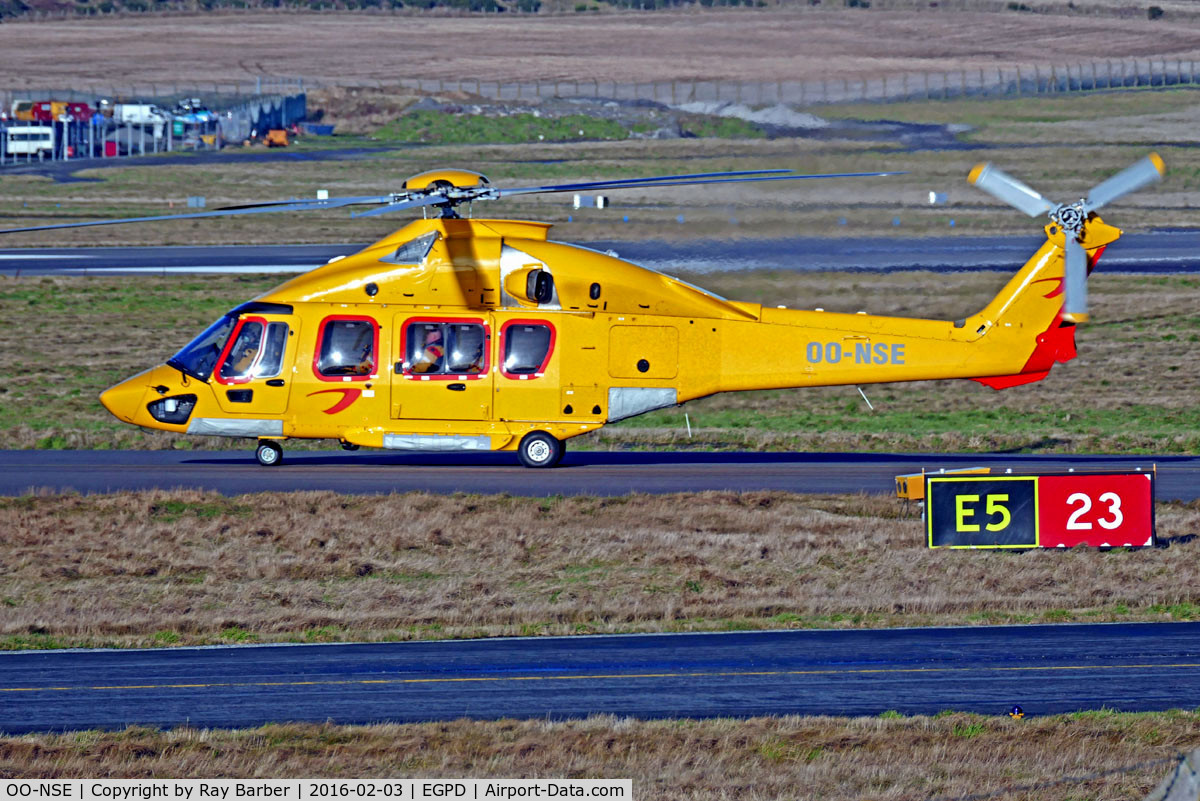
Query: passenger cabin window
[(347, 349), (445, 348), (526, 348), (256, 352)]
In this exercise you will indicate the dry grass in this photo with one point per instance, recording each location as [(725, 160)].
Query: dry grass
[(789, 44), (898, 759), (188, 567)]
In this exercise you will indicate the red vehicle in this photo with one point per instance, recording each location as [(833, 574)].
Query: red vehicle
[(54, 110), (80, 111)]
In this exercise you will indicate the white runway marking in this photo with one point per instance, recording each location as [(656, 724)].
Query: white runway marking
[(22, 257)]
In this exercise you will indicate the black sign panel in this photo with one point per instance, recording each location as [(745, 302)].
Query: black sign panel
[(981, 511)]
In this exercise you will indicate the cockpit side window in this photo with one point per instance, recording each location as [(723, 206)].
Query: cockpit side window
[(256, 352), (243, 355), (347, 349), (525, 348), (274, 345)]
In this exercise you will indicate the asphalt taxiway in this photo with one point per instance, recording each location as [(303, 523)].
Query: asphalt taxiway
[(1155, 252), (1044, 669), (581, 472)]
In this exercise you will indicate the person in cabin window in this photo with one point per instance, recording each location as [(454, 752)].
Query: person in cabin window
[(432, 352)]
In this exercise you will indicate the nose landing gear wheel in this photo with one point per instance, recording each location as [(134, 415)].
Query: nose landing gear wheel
[(268, 453), (539, 449)]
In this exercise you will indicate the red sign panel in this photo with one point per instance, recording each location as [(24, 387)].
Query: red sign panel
[(1100, 510)]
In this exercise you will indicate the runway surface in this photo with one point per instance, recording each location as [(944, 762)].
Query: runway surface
[(1044, 669), (581, 472), (1158, 252)]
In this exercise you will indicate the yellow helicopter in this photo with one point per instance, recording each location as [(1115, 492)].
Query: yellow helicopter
[(456, 334)]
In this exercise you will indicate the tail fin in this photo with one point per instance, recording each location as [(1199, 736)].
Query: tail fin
[(1032, 303)]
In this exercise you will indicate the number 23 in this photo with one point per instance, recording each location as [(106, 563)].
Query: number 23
[(1114, 509)]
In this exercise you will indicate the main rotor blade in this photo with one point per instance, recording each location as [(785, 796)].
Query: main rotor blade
[(679, 180), (411, 203), (231, 211), (195, 216), (1075, 282), (1003, 186), (312, 202), (636, 181), (1130, 179), (452, 197)]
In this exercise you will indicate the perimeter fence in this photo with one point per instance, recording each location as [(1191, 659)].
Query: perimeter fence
[(981, 82), (1013, 81)]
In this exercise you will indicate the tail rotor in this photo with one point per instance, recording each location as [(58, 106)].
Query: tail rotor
[(1072, 218)]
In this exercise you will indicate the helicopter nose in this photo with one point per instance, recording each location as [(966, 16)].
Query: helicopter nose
[(123, 399)]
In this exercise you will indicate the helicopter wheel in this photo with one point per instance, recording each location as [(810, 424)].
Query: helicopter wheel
[(349, 446), (539, 449), (268, 453)]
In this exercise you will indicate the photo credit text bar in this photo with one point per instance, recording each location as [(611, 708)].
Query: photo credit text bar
[(310, 789)]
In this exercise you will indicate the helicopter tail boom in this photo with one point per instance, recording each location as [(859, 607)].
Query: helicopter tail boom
[(1015, 339)]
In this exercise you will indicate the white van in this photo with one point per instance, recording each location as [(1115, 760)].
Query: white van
[(30, 140), (144, 114)]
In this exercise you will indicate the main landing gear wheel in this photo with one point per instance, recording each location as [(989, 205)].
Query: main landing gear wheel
[(268, 453), (539, 449)]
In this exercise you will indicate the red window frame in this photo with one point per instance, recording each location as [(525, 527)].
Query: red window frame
[(347, 318), (233, 335), (487, 349), (549, 350)]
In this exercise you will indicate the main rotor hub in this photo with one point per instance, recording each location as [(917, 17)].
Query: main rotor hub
[(1070, 218)]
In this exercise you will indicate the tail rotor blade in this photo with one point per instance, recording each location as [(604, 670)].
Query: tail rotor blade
[(1075, 282), (1003, 186), (1130, 179)]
